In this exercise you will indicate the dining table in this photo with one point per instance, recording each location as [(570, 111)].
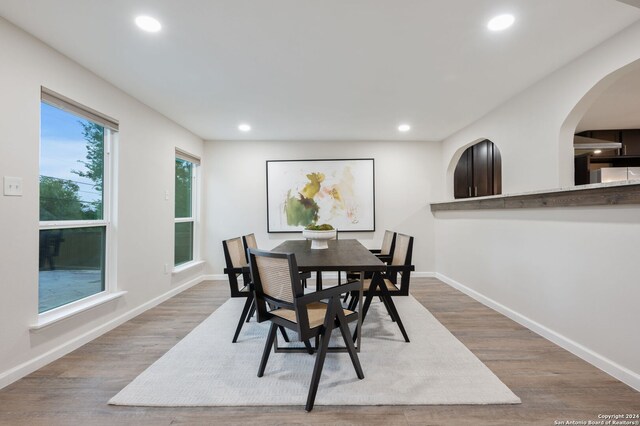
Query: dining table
[(343, 255)]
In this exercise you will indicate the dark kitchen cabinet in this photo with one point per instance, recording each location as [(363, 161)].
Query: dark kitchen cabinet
[(630, 142), (479, 171), (629, 138), (463, 176), (627, 156)]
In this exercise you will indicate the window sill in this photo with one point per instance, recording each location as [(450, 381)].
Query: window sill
[(186, 266), (49, 318)]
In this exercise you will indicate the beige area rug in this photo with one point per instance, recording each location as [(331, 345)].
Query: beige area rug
[(206, 369)]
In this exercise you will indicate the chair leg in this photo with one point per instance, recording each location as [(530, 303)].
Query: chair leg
[(267, 348), (386, 305), (354, 301), (346, 335), (394, 311), (252, 310), (307, 345), (245, 310), (284, 333), (322, 353)]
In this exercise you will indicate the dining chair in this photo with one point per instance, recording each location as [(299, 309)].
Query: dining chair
[(280, 299), (394, 281), (385, 253), (235, 258), (249, 241)]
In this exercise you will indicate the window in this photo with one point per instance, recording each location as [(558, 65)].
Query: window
[(74, 202), (185, 208)]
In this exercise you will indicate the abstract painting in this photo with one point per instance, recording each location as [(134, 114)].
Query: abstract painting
[(305, 192)]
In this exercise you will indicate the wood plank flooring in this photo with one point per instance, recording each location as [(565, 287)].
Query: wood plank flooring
[(553, 384)]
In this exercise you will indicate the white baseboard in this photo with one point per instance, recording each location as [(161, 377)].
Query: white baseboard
[(603, 363), (423, 275), (28, 367), (215, 277), (328, 275)]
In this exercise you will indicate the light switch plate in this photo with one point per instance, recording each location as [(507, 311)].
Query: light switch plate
[(13, 186)]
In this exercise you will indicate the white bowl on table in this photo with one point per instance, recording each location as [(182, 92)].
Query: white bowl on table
[(319, 239)]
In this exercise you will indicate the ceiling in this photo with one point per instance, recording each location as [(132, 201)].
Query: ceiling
[(323, 69)]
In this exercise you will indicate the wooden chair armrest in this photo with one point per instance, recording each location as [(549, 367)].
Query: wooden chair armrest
[(305, 275), (233, 270), (394, 269)]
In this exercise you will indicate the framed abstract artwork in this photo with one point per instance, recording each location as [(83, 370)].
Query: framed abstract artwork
[(304, 192)]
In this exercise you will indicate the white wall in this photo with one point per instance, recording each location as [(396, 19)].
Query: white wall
[(406, 180), (567, 273), (144, 219), (536, 154)]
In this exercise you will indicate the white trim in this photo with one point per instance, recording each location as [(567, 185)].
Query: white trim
[(66, 311), (195, 209), (329, 275), (107, 192), (71, 224), (185, 220), (603, 363), (59, 101), (187, 156), (215, 277), (16, 373), (109, 186), (423, 275), (186, 266)]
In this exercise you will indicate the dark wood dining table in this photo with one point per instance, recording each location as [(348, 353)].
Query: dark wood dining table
[(342, 255)]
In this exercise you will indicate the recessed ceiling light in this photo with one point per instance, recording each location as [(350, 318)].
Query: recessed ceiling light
[(149, 24), (404, 128), (597, 151), (244, 127), (501, 22)]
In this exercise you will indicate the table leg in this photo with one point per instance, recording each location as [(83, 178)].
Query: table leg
[(359, 325)]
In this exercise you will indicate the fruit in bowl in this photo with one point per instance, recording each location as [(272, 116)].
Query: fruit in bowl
[(319, 235)]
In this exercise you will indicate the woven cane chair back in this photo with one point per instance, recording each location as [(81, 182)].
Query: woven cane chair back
[(275, 278), (401, 250), (387, 241), (235, 248)]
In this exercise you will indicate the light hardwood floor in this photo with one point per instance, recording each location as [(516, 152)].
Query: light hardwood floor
[(552, 383)]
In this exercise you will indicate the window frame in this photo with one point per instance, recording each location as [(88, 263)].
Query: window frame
[(110, 137), (195, 208)]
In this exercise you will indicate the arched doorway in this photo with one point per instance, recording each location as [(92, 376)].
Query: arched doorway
[(607, 139), (479, 171)]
